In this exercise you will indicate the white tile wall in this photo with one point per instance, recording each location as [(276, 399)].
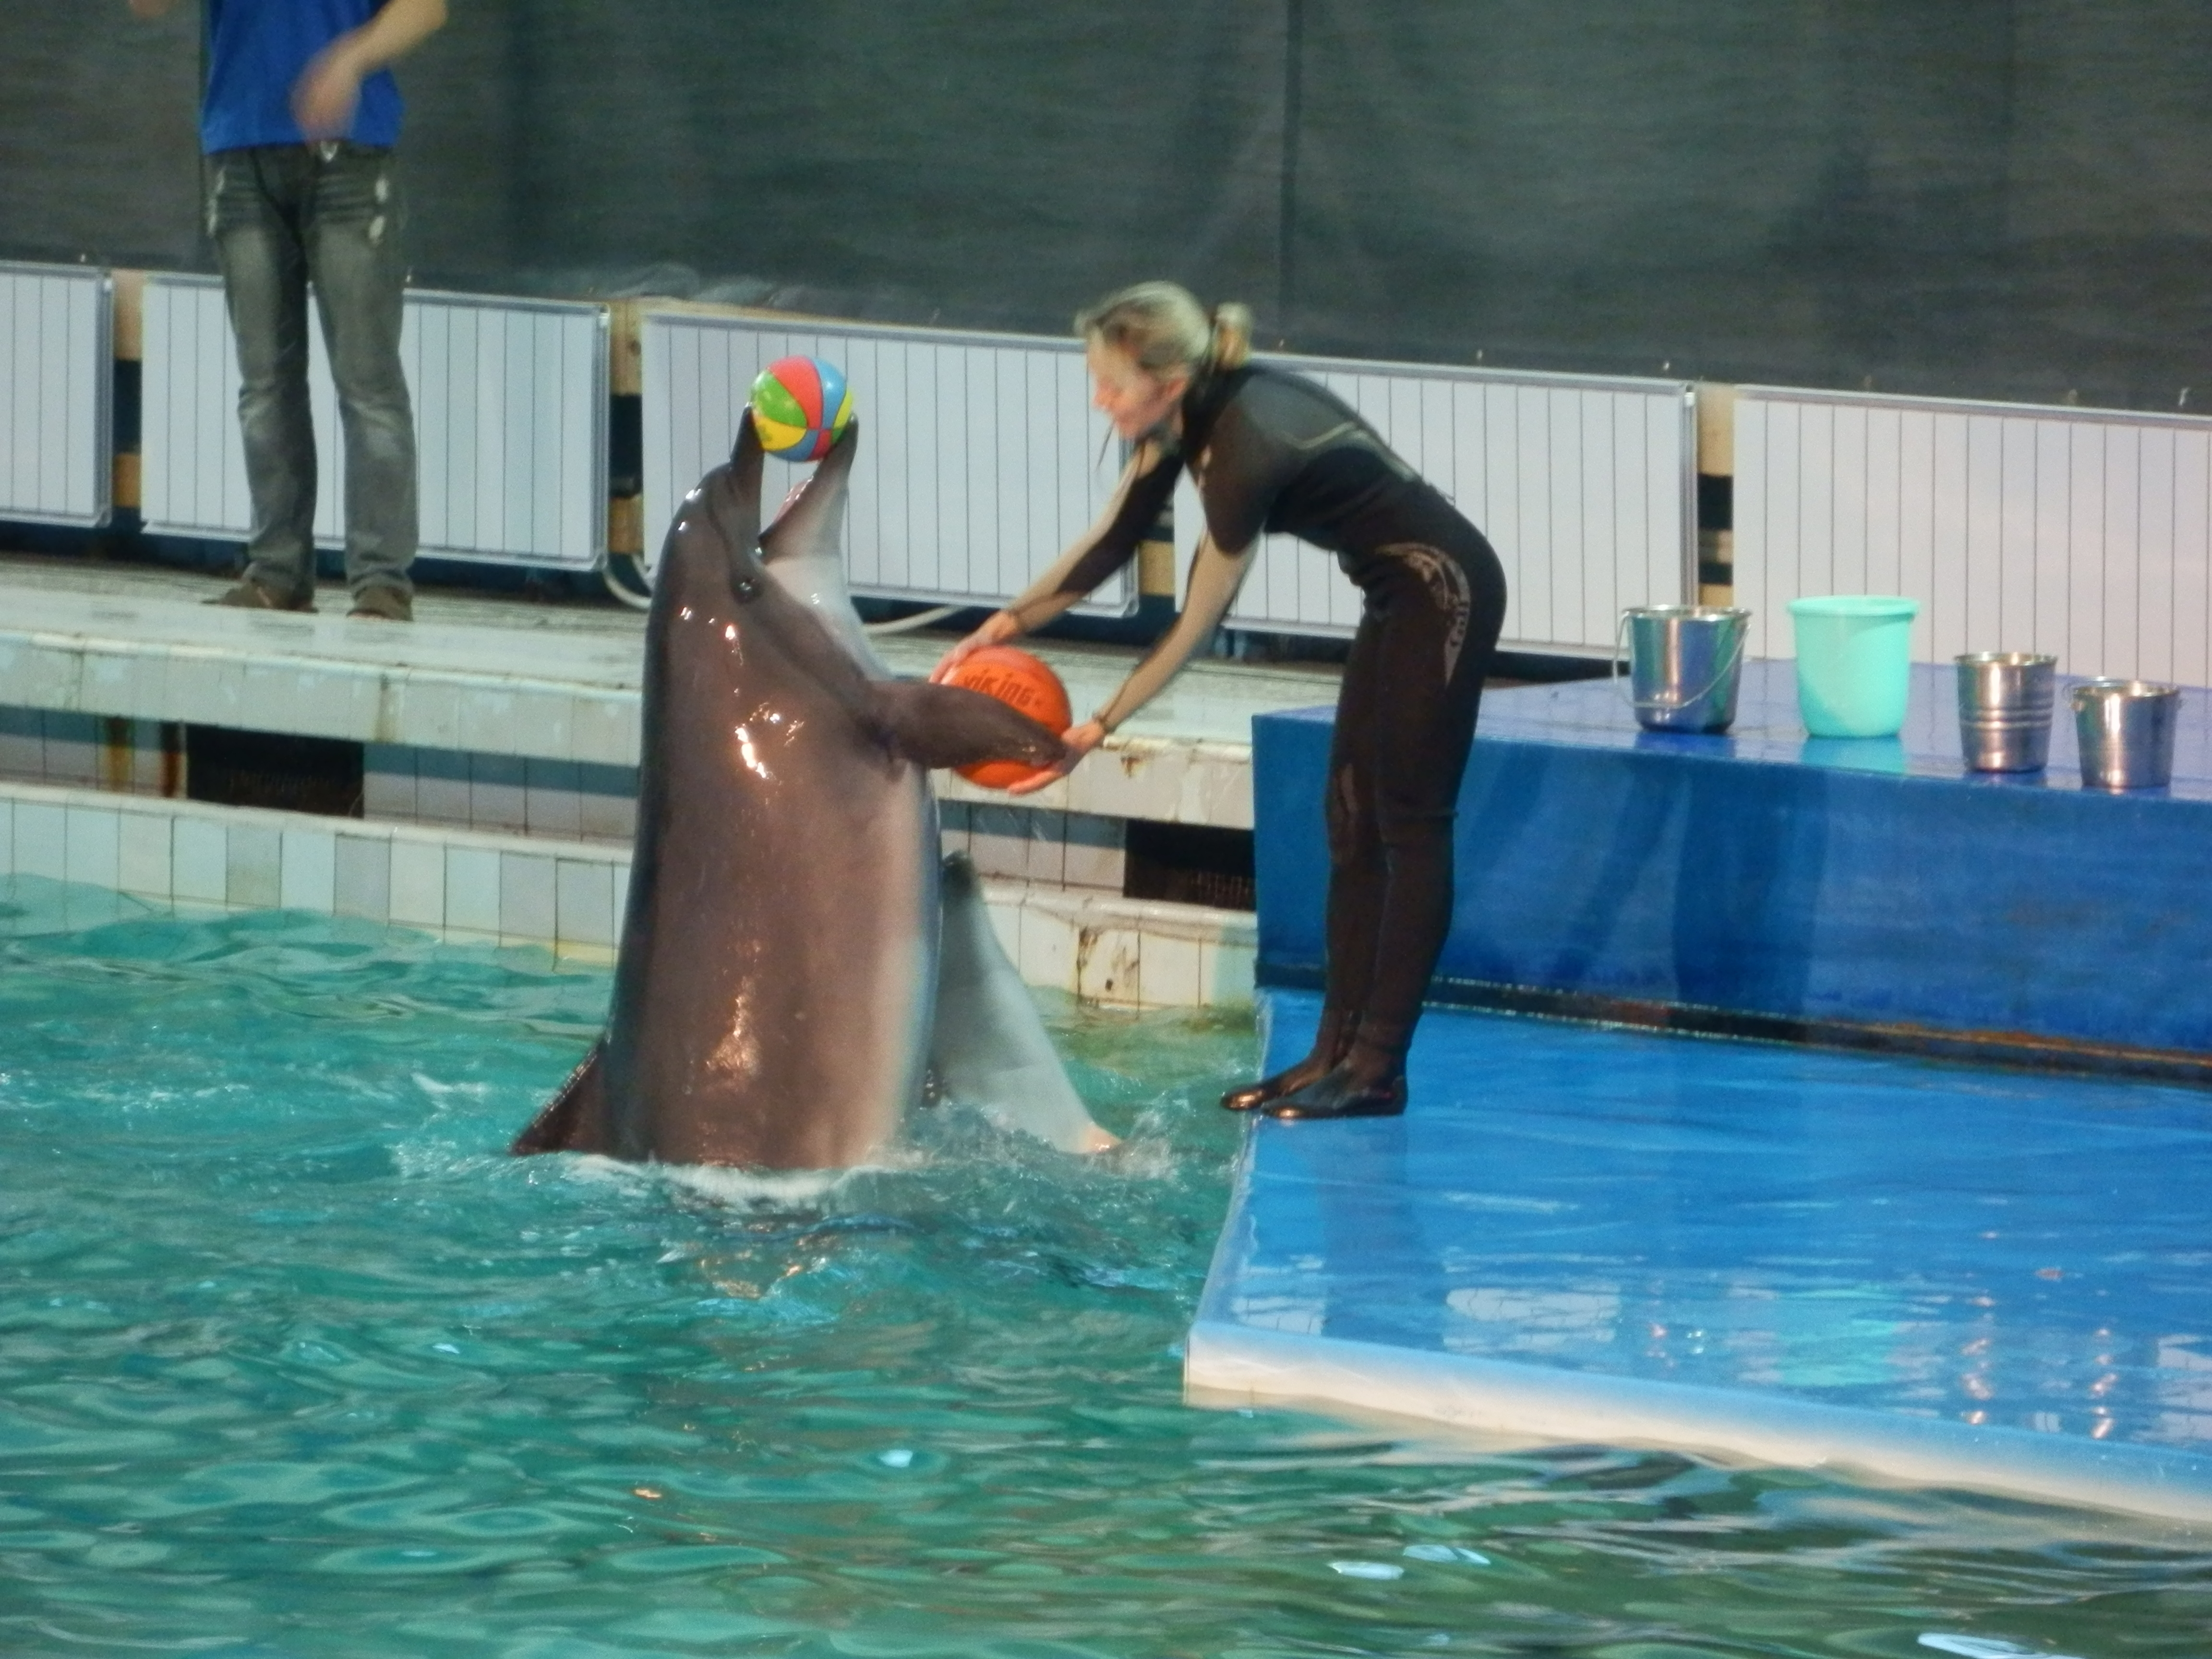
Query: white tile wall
[(42, 838), (308, 878), (528, 903), (498, 796), (2085, 533), (418, 882), (1048, 953), (472, 890), (201, 860), (253, 872), (979, 458), (510, 410), (1109, 964), (22, 742), (583, 905), (93, 839), (1586, 487), (567, 896), (361, 877), (57, 384), (147, 862)]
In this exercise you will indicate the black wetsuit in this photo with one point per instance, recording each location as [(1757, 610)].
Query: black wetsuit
[(1273, 452)]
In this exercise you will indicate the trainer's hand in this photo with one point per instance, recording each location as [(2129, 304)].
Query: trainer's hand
[(998, 628), (327, 92), (1080, 741)]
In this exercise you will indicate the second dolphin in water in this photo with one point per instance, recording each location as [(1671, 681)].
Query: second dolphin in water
[(793, 958)]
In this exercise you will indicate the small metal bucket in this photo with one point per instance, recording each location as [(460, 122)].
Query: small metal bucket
[(1684, 663), (2126, 728), (2004, 710)]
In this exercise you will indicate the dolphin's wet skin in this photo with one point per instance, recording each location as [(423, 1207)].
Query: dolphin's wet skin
[(295, 1360), (793, 962)]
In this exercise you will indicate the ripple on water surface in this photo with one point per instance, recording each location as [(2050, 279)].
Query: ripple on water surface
[(294, 1360)]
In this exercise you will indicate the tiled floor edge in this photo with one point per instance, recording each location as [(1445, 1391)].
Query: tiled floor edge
[(566, 896), (1228, 1363), (1125, 952), (319, 697)]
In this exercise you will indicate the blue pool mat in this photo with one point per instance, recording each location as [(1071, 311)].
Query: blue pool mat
[(1768, 727), (1863, 888), (1990, 1279)]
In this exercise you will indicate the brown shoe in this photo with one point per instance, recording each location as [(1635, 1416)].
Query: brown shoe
[(252, 596), (383, 602), (1342, 1094)]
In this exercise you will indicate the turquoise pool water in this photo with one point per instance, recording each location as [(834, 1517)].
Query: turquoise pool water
[(294, 1361)]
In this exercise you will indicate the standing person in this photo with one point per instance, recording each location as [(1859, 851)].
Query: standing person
[(298, 124), (1271, 451)]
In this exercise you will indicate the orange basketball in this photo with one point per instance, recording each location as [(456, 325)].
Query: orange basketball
[(1021, 682)]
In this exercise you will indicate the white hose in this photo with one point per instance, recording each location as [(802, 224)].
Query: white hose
[(637, 601), (920, 619), (628, 595)]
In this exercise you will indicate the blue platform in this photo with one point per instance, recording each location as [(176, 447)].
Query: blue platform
[(1996, 1280), (1769, 884)]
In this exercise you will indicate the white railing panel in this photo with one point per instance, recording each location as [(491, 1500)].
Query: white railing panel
[(2019, 527), (1587, 488), (510, 424), (979, 461), (57, 393)]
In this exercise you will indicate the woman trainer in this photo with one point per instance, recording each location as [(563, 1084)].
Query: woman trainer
[(1272, 451)]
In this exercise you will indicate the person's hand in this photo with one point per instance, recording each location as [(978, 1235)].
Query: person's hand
[(1080, 741), (328, 89), (998, 628)]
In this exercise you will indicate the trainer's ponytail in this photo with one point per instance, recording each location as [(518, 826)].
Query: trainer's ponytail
[(1166, 332), (1232, 337)]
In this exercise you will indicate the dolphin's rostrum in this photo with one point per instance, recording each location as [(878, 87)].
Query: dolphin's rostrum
[(774, 991)]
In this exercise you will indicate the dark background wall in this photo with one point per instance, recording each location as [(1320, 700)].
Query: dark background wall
[(1986, 197)]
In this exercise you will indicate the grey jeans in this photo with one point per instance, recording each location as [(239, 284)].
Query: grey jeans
[(282, 216)]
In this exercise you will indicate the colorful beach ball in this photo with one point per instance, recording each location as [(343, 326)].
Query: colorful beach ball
[(799, 406)]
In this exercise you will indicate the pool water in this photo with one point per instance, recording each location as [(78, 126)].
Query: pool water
[(294, 1360)]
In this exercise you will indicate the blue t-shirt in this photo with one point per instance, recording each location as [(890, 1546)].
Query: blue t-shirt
[(255, 51)]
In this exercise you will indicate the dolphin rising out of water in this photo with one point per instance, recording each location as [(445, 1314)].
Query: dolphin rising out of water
[(777, 1000)]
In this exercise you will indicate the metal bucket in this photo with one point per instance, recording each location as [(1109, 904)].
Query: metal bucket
[(1683, 662), (2004, 710), (2126, 728)]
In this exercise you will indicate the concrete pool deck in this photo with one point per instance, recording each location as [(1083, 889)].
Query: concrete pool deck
[(511, 677), (500, 741), (1919, 1271)]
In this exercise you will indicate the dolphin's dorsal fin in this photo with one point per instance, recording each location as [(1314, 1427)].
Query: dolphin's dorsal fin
[(990, 1048), (575, 1119), (804, 552)]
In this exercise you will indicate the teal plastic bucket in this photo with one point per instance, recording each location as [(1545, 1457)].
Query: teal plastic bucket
[(1854, 663)]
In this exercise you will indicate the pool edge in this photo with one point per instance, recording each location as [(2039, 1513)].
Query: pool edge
[(1227, 1363)]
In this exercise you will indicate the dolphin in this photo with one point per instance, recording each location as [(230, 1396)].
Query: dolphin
[(775, 1001)]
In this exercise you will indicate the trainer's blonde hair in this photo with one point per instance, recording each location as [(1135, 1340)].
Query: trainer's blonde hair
[(1166, 332)]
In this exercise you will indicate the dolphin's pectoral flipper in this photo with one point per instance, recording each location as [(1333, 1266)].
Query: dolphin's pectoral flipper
[(990, 1048), (937, 725), (575, 1119)]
